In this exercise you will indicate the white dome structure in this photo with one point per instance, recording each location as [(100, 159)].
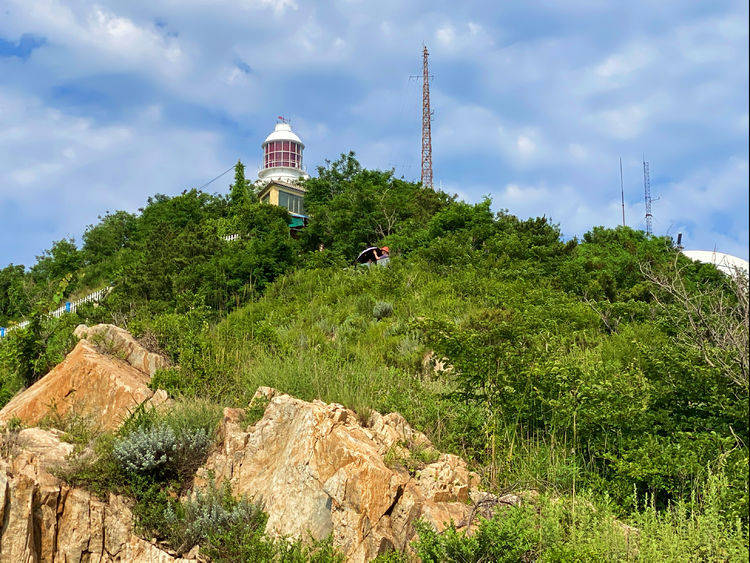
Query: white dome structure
[(725, 262), (282, 155)]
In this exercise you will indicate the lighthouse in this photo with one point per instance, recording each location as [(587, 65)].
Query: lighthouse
[(282, 169), (282, 155)]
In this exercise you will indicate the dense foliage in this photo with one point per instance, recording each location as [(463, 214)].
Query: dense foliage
[(568, 367)]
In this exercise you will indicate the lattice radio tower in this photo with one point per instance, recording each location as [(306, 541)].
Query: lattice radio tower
[(622, 194), (426, 122), (647, 196)]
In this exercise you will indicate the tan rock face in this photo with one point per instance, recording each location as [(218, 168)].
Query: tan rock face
[(318, 470), (119, 342), (45, 520), (88, 382)]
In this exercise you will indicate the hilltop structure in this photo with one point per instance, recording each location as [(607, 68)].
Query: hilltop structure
[(282, 170), (727, 263)]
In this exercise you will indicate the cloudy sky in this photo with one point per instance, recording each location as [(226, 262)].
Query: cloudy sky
[(105, 103)]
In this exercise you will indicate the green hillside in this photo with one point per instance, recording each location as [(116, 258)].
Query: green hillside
[(609, 369)]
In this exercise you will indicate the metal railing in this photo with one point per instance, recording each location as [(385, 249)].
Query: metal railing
[(67, 307)]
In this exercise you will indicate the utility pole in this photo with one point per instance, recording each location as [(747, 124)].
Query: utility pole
[(647, 195), (426, 124), (622, 194)]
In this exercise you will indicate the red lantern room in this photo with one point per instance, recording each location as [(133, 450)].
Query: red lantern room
[(282, 155)]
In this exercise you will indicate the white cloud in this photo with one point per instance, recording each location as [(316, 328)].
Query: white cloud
[(64, 170), (279, 6), (541, 97), (635, 57), (621, 123), (577, 151), (446, 35), (525, 145)]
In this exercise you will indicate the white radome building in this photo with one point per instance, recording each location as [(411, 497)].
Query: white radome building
[(725, 262)]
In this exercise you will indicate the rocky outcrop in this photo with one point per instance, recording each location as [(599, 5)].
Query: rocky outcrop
[(104, 378), (318, 470), (119, 342), (43, 519), (316, 467)]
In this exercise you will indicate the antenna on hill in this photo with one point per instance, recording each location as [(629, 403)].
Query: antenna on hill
[(647, 196), (426, 123), (622, 194)]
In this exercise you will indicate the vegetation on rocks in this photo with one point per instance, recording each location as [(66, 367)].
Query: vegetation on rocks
[(607, 373)]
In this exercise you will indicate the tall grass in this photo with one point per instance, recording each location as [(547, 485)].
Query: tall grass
[(314, 335), (586, 527)]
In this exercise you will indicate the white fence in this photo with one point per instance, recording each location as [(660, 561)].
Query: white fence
[(68, 307), (71, 306)]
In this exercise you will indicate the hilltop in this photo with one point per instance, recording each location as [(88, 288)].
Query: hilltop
[(609, 370)]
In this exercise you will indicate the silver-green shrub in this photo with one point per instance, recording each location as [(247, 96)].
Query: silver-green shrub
[(146, 450), (382, 309), (208, 512), (161, 449)]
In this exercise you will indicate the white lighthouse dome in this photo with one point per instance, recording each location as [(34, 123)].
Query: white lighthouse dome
[(283, 132), (282, 155)]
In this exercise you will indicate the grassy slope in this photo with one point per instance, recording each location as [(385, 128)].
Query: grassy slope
[(314, 335)]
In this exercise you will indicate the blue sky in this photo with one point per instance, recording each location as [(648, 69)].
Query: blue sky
[(103, 104)]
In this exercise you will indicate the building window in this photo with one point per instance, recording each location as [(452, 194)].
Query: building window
[(283, 153), (293, 203)]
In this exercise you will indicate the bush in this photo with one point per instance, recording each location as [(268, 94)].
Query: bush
[(382, 309), (147, 450), (226, 528), (587, 528), (169, 445), (231, 529), (508, 537), (169, 379)]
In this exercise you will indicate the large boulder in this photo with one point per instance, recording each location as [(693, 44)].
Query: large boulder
[(318, 470), (45, 520), (119, 342), (104, 379)]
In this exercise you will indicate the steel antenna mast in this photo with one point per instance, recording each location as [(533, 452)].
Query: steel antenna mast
[(426, 124), (647, 196), (622, 194)]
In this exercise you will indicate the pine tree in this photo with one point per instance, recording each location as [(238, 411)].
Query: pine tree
[(239, 191)]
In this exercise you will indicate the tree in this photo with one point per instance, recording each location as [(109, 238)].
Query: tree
[(240, 190), (62, 259), (710, 318), (103, 240), (351, 207), (14, 298)]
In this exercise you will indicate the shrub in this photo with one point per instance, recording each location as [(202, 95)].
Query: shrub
[(79, 429), (232, 529), (146, 450), (382, 309), (508, 537), (255, 410), (162, 451), (411, 457), (169, 379), (9, 437), (95, 469), (225, 527)]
